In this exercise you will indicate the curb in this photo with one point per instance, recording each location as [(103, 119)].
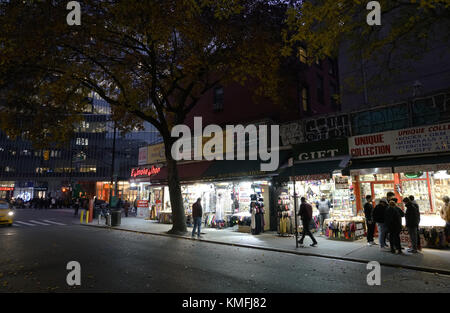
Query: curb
[(249, 246)]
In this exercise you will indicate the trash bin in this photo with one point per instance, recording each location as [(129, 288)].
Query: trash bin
[(115, 217)]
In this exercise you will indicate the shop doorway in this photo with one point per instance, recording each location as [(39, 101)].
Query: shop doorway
[(378, 190)]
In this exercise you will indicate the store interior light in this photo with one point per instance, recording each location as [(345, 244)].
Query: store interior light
[(441, 175)]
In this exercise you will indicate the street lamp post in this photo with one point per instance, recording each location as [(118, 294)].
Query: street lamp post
[(112, 165)]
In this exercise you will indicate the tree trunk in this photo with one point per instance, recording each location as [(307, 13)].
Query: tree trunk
[(176, 200)]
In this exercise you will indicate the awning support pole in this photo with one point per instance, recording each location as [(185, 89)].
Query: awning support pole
[(295, 215)]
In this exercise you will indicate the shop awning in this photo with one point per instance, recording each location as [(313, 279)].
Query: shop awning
[(396, 164), (186, 172), (313, 169), (237, 169)]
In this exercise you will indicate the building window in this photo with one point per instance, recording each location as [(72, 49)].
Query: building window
[(331, 67), (304, 98), (302, 55), (82, 142), (320, 89), (218, 99), (88, 169), (333, 95)]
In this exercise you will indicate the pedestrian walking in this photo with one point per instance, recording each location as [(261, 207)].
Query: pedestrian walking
[(368, 212), (197, 213), (323, 205), (393, 221), (412, 217), (126, 207), (305, 214), (378, 217)]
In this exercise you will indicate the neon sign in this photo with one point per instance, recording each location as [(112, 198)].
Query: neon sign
[(145, 171)]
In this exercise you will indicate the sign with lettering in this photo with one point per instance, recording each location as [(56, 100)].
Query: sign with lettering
[(311, 177), (145, 171), (417, 140), (341, 182), (142, 156), (156, 154), (320, 150)]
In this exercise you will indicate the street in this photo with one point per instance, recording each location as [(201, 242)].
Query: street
[(34, 259)]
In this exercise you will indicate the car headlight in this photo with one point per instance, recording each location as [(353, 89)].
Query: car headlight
[(10, 213)]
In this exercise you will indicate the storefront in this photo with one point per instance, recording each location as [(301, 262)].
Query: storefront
[(315, 173), (227, 189), (6, 189), (125, 191), (407, 162), (24, 190)]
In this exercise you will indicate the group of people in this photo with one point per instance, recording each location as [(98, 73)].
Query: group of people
[(387, 216)]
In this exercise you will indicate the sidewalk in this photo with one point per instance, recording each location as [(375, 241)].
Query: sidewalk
[(431, 260)]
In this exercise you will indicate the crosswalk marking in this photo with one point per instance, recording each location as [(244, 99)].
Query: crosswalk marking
[(24, 223), (37, 222), (52, 222)]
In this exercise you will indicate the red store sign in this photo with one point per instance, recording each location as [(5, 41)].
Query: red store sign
[(135, 172), (6, 188)]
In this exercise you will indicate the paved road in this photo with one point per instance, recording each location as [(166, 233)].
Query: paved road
[(34, 259)]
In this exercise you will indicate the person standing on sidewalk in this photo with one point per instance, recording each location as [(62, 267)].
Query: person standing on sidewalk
[(445, 215), (412, 217), (323, 205), (378, 217), (393, 221), (76, 206), (305, 214), (368, 212), (197, 213)]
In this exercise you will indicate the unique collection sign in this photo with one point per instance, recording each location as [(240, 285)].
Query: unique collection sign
[(145, 171), (418, 140)]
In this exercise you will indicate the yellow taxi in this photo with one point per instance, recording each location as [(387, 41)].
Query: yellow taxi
[(6, 214)]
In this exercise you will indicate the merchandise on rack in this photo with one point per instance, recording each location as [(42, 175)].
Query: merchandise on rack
[(434, 236), (345, 229)]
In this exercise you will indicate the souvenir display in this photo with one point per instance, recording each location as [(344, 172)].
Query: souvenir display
[(345, 229)]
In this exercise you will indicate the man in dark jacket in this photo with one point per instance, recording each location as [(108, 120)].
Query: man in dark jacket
[(368, 210), (412, 217), (378, 217), (305, 214), (393, 220), (197, 213)]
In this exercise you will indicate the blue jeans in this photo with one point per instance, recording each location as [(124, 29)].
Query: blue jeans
[(197, 223), (382, 229)]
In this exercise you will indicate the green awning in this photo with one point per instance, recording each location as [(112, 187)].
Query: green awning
[(311, 168)]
